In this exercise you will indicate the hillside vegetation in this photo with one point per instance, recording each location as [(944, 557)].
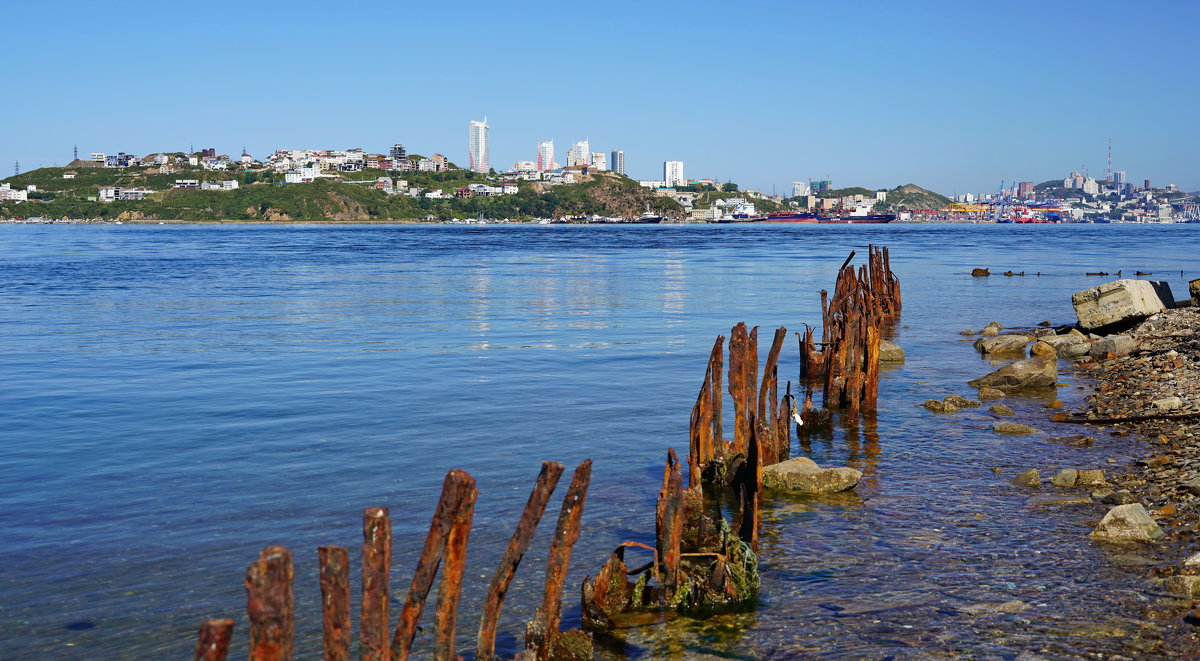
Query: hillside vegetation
[(263, 196), (913, 197)]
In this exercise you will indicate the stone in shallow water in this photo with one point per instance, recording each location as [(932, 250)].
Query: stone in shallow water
[(1013, 428), (1003, 344), (890, 352), (960, 402), (1000, 409), (1186, 586), (1127, 523), (803, 475), (1056, 500), (1030, 478), (1117, 345), (1091, 478), (1012, 606), (990, 393), (1037, 372), (1065, 478)]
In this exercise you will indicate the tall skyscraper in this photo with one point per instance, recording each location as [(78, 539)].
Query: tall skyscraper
[(545, 156), (617, 162), (580, 154), (479, 157), (673, 173), (1119, 177)]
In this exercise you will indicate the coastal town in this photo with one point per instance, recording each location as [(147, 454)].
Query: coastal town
[(146, 188)]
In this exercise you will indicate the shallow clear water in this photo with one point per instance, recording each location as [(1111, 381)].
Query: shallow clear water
[(177, 397)]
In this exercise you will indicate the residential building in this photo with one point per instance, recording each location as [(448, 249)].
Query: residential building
[(881, 196), (800, 188), (228, 184), (98, 157), (599, 161), (525, 166), (121, 160), (187, 184), (480, 160), (673, 173), (1090, 186), (70, 174), (617, 161), (545, 156), (441, 163), (1119, 178), (580, 154), (208, 153), (9, 194), (1025, 189), (398, 153), (117, 193)]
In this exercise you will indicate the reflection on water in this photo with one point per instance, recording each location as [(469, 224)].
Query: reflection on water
[(176, 398)]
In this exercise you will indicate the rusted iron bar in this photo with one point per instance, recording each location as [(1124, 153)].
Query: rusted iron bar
[(376, 566), (749, 490), (670, 523), (738, 339), (334, 568), (700, 442), (456, 489), (450, 588), (518, 544), (213, 643), (767, 406), (269, 605), (541, 631), (716, 362)]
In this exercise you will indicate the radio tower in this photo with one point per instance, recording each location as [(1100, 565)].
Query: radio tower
[(1108, 174), (16, 168)]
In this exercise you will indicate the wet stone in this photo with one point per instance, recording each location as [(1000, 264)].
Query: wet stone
[(1030, 478), (1000, 409), (1065, 478), (1013, 428), (1128, 523)]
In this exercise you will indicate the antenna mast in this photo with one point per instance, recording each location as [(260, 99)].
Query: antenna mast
[(1108, 175)]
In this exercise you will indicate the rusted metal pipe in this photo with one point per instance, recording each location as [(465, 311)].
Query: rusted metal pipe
[(454, 563), (334, 569), (269, 605), (485, 646), (376, 564), (213, 643), (541, 631)]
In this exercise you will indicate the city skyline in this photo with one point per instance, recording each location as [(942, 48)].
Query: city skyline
[(932, 93)]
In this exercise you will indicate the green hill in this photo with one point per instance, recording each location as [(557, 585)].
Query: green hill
[(913, 197), (263, 196)]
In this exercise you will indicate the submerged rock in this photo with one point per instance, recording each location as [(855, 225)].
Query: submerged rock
[(1038, 372), (1002, 344), (1065, 478), (960, 402), (803, 475), (890, 352), (1000, 409), (1013, 428), (1128, 523), (990, 393), (1184, 586), (1091, 478), (992, 329), (1030, 478), (940, 406)]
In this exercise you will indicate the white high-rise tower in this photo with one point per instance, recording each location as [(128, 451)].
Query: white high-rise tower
[(673, 173), (545, 156), (479, 157)]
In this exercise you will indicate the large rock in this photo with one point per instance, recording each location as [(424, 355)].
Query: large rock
[(1194, 290), (803, 475), (1037, 372), (1128, 523), (890, 352), (1002, 344), (1059, 342), (1117, 345), (1120, 302)]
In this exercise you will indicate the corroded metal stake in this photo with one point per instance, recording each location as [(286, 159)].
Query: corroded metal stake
[(450, 587), (457, 488), (376, 565), (334, 569), (485, 646), (541, 631), (270, 606), (213, 644)]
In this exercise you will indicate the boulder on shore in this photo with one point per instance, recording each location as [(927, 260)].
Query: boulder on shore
[(890, 352), (803, 475), (992, 329), (1128, 523), (1194, 290), (1117, 345), (1120, 302), (1036, 372), (1002, 344)]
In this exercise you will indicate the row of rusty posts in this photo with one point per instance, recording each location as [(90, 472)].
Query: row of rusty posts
[(270, 605), (865, 302)]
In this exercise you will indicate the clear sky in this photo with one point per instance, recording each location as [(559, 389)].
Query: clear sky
[(955, 96)]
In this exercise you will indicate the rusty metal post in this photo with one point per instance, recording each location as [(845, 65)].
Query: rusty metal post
[(541, 631), (670, 523), (270, 606), (766, 397), (518, 544), (716, 360), (334, 569), (450, 588), (751, 365), (373, 620), (738, 338), (213, 643), (456, 488), (749, 489)]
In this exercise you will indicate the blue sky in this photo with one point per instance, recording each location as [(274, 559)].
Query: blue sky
[(954, 96)]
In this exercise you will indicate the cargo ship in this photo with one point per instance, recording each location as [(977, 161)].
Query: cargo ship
[(788, 217), (865, 218)]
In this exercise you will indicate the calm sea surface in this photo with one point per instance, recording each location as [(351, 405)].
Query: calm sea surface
[(175, 398)]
